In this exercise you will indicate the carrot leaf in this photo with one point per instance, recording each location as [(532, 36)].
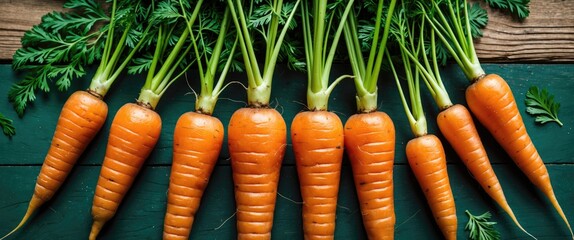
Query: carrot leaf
[(540, 103), (480, 227), (517, 7), (7, 126)]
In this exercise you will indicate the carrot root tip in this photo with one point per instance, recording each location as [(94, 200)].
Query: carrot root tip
[(34, 204), (96, 228)]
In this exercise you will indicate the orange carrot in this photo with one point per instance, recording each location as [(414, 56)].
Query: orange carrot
[(257, 134), (425, 152), (136, 127), (257, 139), (197, 139), (82, 116), (370, 145), (427, 160), (133, 134), (458, 128), (197, 142), (492, 102), (317, 138)]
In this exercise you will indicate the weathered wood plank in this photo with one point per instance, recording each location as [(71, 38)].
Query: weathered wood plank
[(16, 17), (67, 216), (35, 129), (547, 35)]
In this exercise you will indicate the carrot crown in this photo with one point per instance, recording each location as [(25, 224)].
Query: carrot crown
[(208, 57), (168, 59), (319, 54), (366, 76), (259, 82), (454, 30), (414, 112)]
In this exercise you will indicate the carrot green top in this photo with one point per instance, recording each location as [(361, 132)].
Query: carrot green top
[(168, 59), (454, 30), (414, 112), (259, 81), (319, 55), (366, 77), (208, 53)]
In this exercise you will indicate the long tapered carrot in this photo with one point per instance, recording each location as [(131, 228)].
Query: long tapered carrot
[(257, 139), (427, 160), (82, 117), (370, 145), (492, 102), (458, 128), (317, 138), (133, 134), (197, 141)]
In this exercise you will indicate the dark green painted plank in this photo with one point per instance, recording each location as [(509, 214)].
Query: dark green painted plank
[(67, 216), (35, 130)]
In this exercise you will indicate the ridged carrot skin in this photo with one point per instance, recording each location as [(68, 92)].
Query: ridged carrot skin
[(133, 134), (491, 100), (427, 160), (318, 143), (370, 145), (457, 126), (197, 141), (81, 118), (257, 139)]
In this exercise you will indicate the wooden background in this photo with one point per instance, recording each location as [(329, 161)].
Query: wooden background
[(535, 52), (546, 35)]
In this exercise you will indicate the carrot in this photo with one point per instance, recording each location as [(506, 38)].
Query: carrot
[(370, 145), (197, 141), (490, 98), (370, 134), (492, 102), (257, 140), (133, 134), (82, 116), (456, 124), (425, 152), (427, 160), (136, 127), (257, 134), (197, 138), (317, 138), (317, 135)]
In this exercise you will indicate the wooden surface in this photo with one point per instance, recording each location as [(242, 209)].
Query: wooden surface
[(547, 35), (140, 216)]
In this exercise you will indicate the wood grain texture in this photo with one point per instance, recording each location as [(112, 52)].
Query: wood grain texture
[(16, 17), (547, 35)]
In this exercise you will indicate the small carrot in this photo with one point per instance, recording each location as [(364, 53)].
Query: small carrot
[(425, 152), (257, 134), (492, 102), (370, 134), (136, 127), (317, 135), (490, 98), (427, 160), (317, 138), (257, 140), (198, 136), (133, 134), (82, 116)]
